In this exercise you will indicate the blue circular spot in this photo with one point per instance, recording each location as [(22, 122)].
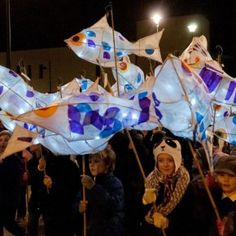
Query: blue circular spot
[(91, 33), (106, 46), (119, 54), (149, 51), (139, 78), (234, 119)]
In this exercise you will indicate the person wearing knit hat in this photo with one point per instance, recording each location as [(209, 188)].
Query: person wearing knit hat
[(166, 188), (225, 170)]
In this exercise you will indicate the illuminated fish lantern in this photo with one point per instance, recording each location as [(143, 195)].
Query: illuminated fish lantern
[(130, 76), (95, 44), (221, 86), (87, 117), (49, 139), (181, 99)]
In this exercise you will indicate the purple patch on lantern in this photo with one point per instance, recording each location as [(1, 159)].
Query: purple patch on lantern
[(210, 78), (73, 113), (144, 116), (110, 115), (111, 112), (1, 89), (156, 101), (93, 118), (106, 55), (144, 103), (94, 97), (158, 113), (29, 94), (91, 43), (76, 127), (231, 88), (13, 73), (226, 113)]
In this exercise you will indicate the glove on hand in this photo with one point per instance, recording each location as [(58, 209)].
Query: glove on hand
[(149, 196), (160, 221), (87, 181), (83, 206), (47, 180)]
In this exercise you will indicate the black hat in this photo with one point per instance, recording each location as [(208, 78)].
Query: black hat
[(226, 164)]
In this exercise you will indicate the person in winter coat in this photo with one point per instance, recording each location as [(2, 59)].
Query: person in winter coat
[(55, 181), (105, 196), (168, 191), (225, 195), (10, 181)]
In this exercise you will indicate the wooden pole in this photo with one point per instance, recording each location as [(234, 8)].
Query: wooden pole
[(118, 92), (114, 45), (204, 181), (136, 154)]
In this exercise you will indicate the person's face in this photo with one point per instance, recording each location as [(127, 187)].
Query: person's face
[(165, 164), (227, 182), (3, 142), (97, 166)]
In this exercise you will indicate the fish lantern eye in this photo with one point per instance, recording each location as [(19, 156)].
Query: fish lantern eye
[(76, 38)]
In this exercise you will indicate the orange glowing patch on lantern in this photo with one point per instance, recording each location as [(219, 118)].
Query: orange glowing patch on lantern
[(186, 67), (197, 60), (217, 107), (123, 66), (46, 112), (78, 39)]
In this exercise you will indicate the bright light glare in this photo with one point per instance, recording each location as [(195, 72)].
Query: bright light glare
[(124, 114), (134, 116), (156, 18), (192, 27)]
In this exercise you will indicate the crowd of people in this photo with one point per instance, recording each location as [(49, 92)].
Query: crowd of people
[(113, 195)]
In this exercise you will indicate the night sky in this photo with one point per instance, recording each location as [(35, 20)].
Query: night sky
[(46, 23)]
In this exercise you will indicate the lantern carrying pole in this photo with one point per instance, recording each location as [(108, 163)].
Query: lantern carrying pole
[(118, 92)]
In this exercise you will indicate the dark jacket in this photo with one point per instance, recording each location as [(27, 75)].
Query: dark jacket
[(10, 180), (180, 219), (106, 207)]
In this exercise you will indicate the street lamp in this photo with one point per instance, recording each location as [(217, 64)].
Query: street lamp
[(156, 18), (192, 27)]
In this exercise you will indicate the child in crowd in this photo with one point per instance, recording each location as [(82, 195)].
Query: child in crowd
[(167, 189), (105, 196), (225, 197)]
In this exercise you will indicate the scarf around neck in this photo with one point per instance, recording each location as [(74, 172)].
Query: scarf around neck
[(174, 188)]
